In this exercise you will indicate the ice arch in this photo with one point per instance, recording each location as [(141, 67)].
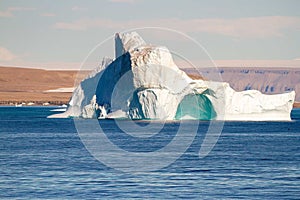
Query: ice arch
[(195, 106)]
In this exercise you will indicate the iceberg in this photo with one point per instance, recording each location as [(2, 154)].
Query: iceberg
[(143, 82)]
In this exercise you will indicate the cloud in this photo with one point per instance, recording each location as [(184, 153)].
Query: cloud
[(78, 8), (51, 65), (85, 24), (21, 8), (9, 11), (6, 55), (255, 27), (47, 14), (123, 1), (258, 27), (258, 63), (5, 14)]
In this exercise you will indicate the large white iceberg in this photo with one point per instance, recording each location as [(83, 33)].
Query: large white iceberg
[(143, 82)]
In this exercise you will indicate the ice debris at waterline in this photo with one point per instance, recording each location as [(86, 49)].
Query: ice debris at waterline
[(143, 82)]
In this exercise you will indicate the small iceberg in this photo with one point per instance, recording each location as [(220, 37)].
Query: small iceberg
[(59, 110)]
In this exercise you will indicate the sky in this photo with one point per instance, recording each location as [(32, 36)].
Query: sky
[(60, 34)]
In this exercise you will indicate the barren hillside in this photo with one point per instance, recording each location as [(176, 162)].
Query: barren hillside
[(29, 85)]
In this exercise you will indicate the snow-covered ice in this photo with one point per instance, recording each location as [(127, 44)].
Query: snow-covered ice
[(70, 89)]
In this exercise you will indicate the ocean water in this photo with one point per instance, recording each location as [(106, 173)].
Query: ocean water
[(44, 158)]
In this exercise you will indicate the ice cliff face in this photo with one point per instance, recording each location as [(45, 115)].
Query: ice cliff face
[(143, 82)]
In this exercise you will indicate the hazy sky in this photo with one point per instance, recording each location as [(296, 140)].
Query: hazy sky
[(60, 34)]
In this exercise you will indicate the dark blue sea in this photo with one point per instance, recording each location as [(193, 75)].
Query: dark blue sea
[(42, 158)]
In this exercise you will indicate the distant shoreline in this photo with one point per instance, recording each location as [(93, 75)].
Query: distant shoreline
[(33, 103), (296, 105)]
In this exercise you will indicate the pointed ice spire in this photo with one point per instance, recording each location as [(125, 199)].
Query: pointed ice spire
[(124, 42)]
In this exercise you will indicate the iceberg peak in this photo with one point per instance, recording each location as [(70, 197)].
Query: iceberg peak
[(124, 42)]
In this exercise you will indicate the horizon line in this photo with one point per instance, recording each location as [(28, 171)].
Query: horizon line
[(69, 66)]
